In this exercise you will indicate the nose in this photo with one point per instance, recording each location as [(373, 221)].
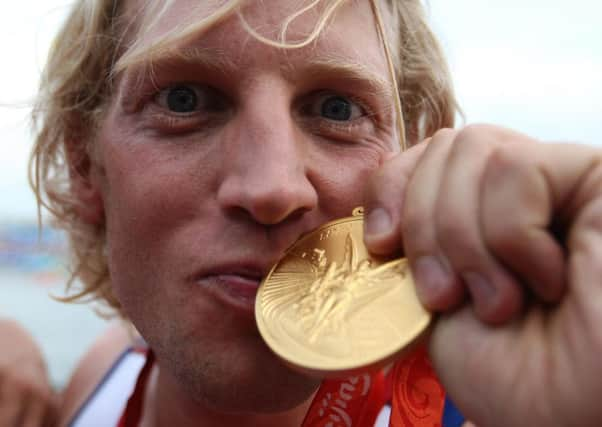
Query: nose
[(265, 166)]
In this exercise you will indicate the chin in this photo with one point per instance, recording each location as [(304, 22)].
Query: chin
[(245, 377)]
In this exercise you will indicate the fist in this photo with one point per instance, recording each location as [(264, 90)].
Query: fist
[(504, 237)]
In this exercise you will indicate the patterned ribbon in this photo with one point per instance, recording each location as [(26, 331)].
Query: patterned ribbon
[(417, 398), (355, 401)]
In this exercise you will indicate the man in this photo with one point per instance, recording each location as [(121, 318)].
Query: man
[(203, 138)]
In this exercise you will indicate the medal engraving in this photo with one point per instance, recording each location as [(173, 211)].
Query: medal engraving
[(330, 308)]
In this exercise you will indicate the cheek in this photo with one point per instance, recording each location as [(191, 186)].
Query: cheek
[(340, 177), (153, 187), (153, 195)]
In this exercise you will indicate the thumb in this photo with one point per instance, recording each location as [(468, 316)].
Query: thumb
[(383, 201)]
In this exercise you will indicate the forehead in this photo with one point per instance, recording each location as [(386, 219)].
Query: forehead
[(349, 35)]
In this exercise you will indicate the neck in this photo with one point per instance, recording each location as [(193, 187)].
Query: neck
[(167, 405)]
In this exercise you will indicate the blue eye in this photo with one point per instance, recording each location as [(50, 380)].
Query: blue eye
[(336, 108), (181, 99), (185, 99), (333, 107)]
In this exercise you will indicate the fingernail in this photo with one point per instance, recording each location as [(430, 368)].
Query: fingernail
[(480, 288), (378, 222), (432, 279)]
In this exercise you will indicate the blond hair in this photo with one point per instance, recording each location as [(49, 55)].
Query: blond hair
[(90, 51)]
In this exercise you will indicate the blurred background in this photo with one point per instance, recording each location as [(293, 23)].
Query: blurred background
[(535, 66)]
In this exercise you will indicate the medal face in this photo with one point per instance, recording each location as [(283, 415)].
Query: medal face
[(328, 308)]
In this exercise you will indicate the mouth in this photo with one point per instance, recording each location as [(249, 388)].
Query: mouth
[(234, 287)]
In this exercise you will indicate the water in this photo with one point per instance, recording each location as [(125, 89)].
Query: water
[(30, 272)]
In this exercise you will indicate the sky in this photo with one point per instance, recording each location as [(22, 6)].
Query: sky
[(534, 65)]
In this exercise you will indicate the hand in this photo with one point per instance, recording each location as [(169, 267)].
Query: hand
[(26, 398), (513, 226)]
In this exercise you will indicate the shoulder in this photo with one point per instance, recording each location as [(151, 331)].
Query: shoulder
[(92, 368)]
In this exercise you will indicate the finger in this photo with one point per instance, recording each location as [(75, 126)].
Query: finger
[(496, 294), (436, 285), (34, 414), (383, 198), (516, 190), (10, 406), (574, 178), (51, 413)]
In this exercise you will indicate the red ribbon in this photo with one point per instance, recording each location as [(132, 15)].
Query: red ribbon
[(417, 397), (355, 401)]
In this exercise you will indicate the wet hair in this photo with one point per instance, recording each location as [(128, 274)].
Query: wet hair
[(98, 41)]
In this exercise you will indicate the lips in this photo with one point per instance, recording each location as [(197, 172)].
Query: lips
[(240, 286), (235, 287)]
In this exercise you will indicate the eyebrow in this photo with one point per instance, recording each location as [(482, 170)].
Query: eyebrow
[(343, 68), (209, 58), (325, 65)]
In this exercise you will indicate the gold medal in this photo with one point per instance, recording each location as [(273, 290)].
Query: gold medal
[(330, 309)]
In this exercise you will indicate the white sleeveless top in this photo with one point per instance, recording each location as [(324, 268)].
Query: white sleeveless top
[(104, 406)]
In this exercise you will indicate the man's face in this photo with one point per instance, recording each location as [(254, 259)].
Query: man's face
[(211, 166)]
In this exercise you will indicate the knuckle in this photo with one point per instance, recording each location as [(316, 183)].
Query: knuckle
[(472, 132), (499, 169), (473, 137), (477, 131), (503, 137), (505, 158), (443, 133), (442, 136)]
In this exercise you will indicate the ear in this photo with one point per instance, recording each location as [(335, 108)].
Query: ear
[(84, 184)]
